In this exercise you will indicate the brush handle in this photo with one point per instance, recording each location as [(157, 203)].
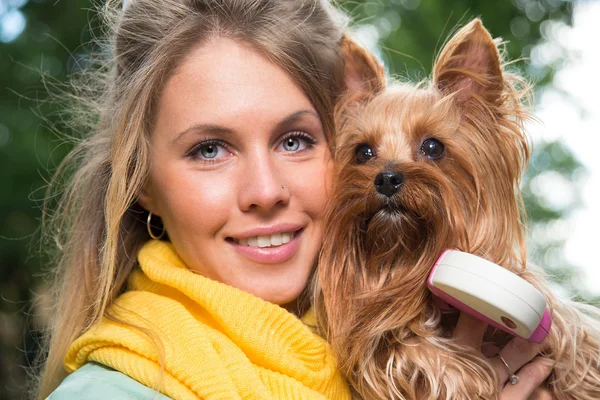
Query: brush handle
[(491, 294)]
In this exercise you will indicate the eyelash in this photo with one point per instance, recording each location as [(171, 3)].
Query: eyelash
[(310, 140), (194, 151)]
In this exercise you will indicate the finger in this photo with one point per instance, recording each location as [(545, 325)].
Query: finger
[(531, 376), (490, 350), (469, 331), (516, 353), (541, 393)]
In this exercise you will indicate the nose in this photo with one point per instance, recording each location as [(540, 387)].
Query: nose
[(388, 182), (263, 188)]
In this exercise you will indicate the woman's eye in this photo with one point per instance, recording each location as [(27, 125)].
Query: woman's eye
[(297, 141), (364, 153), (291, 144), (208, 151), (433, 149)]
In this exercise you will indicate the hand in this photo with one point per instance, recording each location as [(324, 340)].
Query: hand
[(521, 356)]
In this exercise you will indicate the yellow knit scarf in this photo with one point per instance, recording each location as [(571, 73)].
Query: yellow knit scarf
[(218, 342)]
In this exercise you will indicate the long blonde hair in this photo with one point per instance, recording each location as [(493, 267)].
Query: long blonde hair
[(92, 225)]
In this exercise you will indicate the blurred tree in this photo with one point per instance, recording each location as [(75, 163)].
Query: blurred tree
[(42, 39), (411, 32), (37, 38)]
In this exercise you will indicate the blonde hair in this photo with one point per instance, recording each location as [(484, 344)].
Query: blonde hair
[(95, 228)]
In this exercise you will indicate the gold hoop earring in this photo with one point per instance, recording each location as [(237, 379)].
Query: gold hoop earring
[(150, 229)]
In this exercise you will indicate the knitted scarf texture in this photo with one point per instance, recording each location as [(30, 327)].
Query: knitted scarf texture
[(217, 342)]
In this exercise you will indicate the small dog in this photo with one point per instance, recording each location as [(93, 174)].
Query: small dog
[(421, 169)]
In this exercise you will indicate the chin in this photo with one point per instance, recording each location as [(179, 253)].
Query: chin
[(281, 297), (284, 294)]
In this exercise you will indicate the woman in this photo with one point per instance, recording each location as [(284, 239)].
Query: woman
[(213, 128)]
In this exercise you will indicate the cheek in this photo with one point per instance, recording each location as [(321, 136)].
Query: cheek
[(314, 187), (193, 201)]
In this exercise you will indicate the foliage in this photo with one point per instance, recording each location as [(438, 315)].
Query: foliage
[(411, 32)]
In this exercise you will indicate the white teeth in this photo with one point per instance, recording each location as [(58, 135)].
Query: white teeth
[(264, 241), (276, 239)]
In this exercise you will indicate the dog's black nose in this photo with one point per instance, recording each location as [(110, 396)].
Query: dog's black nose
[(388, 182)]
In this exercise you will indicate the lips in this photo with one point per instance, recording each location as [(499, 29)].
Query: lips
[(269, 248), (276, 239)]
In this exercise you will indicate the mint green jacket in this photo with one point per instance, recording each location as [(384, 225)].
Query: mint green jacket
[(98, 382)]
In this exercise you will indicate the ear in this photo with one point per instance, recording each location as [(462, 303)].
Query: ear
[(363, 73), (469, 65), (145, 200)]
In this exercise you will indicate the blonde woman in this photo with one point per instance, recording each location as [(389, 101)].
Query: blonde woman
[(190, 226)]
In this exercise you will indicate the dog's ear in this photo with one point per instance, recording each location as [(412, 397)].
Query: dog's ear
[(363, 73), (469, 65)]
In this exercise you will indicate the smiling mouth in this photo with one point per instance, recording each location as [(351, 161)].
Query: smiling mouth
[(265, 241)]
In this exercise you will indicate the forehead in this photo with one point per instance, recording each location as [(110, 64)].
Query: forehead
[(226, 82)]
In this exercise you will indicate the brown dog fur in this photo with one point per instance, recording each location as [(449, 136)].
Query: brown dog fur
[(371, 297)]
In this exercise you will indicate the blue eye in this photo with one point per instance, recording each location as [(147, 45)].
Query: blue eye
[(297, 141), (209, 150), (291, 144)]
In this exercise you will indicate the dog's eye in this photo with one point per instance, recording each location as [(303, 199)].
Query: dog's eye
[(433, 149), (364, 153)]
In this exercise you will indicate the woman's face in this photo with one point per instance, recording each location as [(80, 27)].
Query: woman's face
[(240, 171)]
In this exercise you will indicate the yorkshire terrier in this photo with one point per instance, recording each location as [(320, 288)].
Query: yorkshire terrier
[(421, 169)]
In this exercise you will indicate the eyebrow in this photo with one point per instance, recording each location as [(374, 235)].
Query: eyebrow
[(212, 128), (296, 116)]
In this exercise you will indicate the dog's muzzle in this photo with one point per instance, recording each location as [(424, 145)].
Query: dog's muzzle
[(388, 182)]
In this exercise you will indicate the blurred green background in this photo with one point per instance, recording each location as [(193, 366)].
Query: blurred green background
[(44, 41)]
